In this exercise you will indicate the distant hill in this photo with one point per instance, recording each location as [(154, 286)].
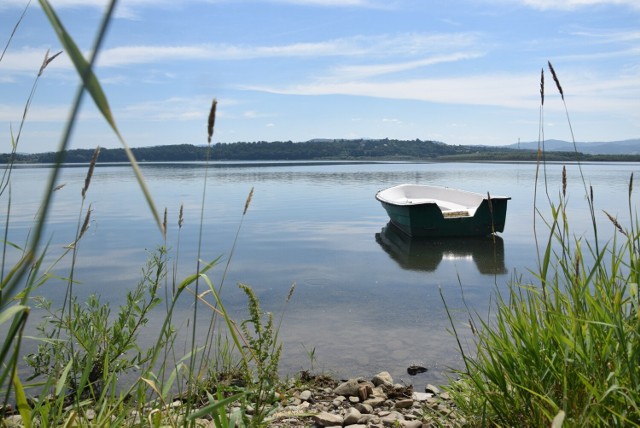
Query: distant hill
[(626, 147), (327, 149)]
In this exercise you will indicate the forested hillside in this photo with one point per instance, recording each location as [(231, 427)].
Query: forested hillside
[(385, 149)]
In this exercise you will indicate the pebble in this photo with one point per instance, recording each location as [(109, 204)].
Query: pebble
[(326, 419), (305, 395)]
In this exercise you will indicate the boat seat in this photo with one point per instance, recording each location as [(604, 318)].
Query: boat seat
[(448, 208)]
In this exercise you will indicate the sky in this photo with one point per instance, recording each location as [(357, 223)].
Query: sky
[(463, 72)]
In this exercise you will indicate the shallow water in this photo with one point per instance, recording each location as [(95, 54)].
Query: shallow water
[(366, 298)]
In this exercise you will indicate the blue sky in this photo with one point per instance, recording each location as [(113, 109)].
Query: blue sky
[(456, 71)]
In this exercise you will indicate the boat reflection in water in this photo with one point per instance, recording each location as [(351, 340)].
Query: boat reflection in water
[(425, 254)]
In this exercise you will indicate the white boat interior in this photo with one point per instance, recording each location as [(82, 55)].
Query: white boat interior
[(452, 202)]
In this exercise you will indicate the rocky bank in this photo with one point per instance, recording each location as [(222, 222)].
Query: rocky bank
[(319, 401)]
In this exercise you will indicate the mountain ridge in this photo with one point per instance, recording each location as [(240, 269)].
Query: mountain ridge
[(621, 147)]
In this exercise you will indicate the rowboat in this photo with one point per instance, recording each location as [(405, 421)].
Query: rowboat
[(432, 211)]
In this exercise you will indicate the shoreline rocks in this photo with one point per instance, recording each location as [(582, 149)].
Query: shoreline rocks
[(318, 401), (360, 403)]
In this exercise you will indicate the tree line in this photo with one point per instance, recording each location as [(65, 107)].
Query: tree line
[(383, 149)]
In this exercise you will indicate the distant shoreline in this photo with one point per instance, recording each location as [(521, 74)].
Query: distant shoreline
[(333, 151)]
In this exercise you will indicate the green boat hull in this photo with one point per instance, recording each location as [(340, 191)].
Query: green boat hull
[(427, 220)]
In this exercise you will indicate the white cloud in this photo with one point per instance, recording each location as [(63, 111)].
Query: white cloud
[(176, 108), (252, 114), (503, 90), (437, 48), (610, 36), (380, 69), (408, 45), (481, 90), (128, 55), (336, 3), (575, 4), (37, 113)]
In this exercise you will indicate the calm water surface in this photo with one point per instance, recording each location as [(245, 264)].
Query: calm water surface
[(366, 298)]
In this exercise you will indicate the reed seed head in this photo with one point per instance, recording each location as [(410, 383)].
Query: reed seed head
[(164, 221), (555, 79), (616, 224), (291, 290), (564, 181), (542, 86), (248, 202), (181, 216), (85, 224), (630, 185), (92, 165), (47, 60), (212, 120)]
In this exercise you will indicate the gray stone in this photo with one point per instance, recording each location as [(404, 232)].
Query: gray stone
[(352, 416), (348, 388), (411, 424), (90, 414), (326, 419), (369, 419), (364, 408), (375, 401), (382, 378), (378, 391), (305, 395), (392, 418), (404, 403), (13, 421), (432, 389), (421, 396)]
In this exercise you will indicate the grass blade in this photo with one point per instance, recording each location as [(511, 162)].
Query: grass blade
[(21, 401), (92, 85), (214, 406)]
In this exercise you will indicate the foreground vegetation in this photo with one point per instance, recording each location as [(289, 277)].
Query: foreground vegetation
[(88, 368), (561, 350), (565, 347)]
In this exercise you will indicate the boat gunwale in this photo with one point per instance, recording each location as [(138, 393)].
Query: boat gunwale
[(409, 203)]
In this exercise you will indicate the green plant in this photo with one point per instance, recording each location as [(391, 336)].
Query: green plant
[(564, 347), (261, 370), (217, 409), (311, 355), (105, 346)]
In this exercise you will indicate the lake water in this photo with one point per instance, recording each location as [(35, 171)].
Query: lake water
[(366, 298)]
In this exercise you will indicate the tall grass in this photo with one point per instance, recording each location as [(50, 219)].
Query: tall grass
[(82, 370), (563, 348)]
